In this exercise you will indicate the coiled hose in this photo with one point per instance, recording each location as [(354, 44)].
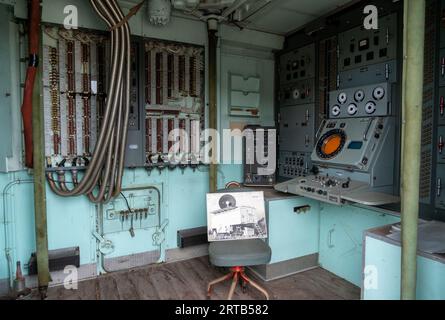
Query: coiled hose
[(102, 180)]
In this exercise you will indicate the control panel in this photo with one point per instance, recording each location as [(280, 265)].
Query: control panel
[(360, 48), (359, 102), (294, 164), (352, 158), (298, 64), (337, 190), (325, 188), (354, 144), (301, 92), (297, 112)]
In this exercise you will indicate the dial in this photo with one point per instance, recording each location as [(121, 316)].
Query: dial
[(342, 98), (352, 109), (379, 93), (370, 107), (359, 95), (336, 110)]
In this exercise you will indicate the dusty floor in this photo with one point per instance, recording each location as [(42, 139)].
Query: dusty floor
[(188, 280)]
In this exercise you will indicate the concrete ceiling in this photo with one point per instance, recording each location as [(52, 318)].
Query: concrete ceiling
[(284, 16)]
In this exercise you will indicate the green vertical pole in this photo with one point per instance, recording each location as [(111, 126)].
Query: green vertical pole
[(213, 59), (40, 183), (412, 110)]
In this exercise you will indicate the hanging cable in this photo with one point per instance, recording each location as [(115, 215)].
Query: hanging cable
[(102, 180)]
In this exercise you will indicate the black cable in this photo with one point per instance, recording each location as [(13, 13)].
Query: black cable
[(128, 204)]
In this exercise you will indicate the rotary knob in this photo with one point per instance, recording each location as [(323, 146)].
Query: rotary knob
[(359, 95), (342, 98), (370, 107), (336, 111), (379, 93), (352, 109)]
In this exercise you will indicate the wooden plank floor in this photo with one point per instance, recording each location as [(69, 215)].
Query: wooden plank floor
[(188, 280)]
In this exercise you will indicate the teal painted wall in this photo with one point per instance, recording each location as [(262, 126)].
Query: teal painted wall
[(341, 238), (71, 221), (385, 259), (293, 235)]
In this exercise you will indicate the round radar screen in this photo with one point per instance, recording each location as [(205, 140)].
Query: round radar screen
[(331, 144)]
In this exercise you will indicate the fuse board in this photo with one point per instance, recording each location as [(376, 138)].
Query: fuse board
[(296, 116), (74, 84), (174, 103)]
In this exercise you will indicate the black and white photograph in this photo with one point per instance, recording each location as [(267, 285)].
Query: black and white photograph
[(236, 216)]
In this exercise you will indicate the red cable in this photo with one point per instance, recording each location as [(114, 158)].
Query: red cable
[(27, 107)]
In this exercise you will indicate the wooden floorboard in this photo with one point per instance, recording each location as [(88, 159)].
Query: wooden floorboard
[(187, 280)]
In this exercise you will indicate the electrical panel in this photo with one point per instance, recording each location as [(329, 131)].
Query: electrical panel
[(262, 140), (297, 114), (166, 100), (74, 94), (174, 103)]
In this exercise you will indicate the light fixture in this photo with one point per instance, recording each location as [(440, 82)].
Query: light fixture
[(159, 12)]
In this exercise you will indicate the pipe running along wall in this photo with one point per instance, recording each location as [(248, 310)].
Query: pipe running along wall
[(27, 106), (102, 180), (412, 109), (213, 43)]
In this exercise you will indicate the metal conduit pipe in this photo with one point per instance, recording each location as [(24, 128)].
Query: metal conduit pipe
[(213, 59), (102, 180), (412, 109), (8, 224)]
